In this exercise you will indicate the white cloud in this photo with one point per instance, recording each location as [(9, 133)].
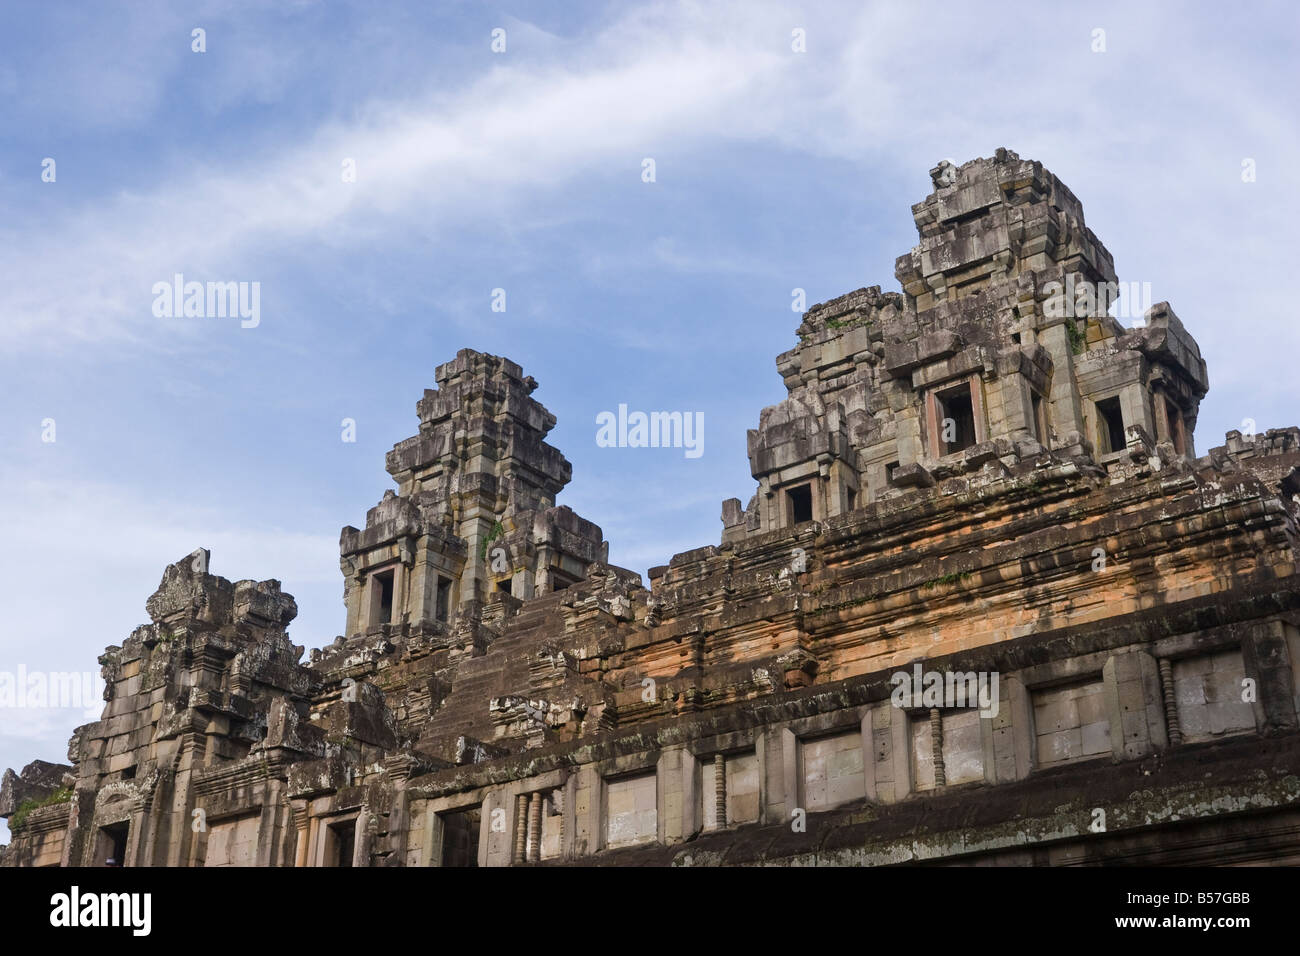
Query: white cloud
[(88, 555), (886, 88), (80, 560), (85, 276)]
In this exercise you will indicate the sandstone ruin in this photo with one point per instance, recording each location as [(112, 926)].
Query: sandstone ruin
[(962, 481)]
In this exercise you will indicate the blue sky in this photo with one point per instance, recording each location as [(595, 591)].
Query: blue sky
[(521, 170)]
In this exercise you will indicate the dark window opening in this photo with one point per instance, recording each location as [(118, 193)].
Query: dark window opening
[(505, 587), (1110, 425), (852, 498), (460, 834), (444, 599), (1039, 412), (1177, 435), (956, 420), (112, 844), (343, 842), (383, 606), (800, 504), (128, 773), (561, 581), (889, 472)]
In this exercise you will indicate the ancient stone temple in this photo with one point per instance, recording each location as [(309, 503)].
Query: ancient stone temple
[(986, 606)]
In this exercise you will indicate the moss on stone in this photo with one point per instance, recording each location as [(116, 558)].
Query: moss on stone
[(62, 795)]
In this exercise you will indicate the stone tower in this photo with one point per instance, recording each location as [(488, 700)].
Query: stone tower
[(474, 515), (1001, 346)]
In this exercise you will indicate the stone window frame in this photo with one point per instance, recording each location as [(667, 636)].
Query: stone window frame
[(703, 750), (564, 578), (369, 598), (1170, 419), (1087, 669), (258, 810), (99, 835), (435, 833), (933, 443), (434, 807), (1096, 435), (805, 474), (788, 502), (617, 768), (322, 828), (793, 735), (443, 601), (1219, 640), (115, 804), (602, 836), (1040, 413), (546, 784), (847, 492), (914, 715), (1185, 740)]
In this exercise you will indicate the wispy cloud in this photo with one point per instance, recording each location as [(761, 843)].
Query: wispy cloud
[(114, 544), (85, 274)]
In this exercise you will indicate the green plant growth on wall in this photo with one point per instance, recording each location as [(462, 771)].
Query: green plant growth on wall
[(1078, 337), (849, 323), (62, 795), (498, 530)]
